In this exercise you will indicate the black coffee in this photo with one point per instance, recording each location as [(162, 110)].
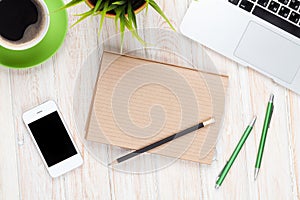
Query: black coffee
[(16, 16)]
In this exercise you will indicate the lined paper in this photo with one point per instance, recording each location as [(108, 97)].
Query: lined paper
[(138, 102)]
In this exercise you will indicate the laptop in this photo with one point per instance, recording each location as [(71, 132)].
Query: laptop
[(261, 34)]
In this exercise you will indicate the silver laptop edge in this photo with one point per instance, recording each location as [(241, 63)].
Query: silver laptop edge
[(246, 39)]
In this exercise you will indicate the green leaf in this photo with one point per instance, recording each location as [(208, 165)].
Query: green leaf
[(132, 30), (131, 15), (83, 16), (103, 13), (97, 6), (122, 28), (119, 3), (147, 6), (111, 7), (70, 4), (118, 12), (158, 9)]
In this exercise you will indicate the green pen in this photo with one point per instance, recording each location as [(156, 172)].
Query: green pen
[(233, 156), (266, 126)]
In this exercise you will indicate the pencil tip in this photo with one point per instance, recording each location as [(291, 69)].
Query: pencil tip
[(217, 186), (112, 163)]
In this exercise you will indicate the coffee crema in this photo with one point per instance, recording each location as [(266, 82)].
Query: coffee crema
[(21, 21)]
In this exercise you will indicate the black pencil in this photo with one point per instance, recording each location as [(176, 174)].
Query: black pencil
[(163, 141)]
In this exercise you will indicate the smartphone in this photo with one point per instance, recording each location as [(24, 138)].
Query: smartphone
[(52, 139)]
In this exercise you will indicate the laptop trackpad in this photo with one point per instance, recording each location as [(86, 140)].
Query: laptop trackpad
[(269, 52)]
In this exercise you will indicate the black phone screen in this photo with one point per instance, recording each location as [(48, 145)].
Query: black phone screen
[(52, 138)]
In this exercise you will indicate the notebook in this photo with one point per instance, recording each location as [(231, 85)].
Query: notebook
[(137, 102)]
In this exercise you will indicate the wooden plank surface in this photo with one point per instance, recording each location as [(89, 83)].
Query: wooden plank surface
[(9, 183), (23, 176)]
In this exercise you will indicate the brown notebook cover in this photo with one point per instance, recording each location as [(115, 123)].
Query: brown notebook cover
[(138, 102)]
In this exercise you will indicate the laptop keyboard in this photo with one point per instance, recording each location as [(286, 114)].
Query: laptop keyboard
[(285, 14)]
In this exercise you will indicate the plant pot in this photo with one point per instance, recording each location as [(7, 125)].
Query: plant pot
[(138, 6)]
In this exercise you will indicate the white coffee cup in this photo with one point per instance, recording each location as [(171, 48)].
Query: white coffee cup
[(37, 31)]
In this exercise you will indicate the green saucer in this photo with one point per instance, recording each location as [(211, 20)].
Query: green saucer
[(46, 48)]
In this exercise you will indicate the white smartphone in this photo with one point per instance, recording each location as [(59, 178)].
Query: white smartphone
[(52, 139)]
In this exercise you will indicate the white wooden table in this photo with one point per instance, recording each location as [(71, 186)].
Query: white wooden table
[(23, 176)]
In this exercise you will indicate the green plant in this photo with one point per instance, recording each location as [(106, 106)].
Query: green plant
[(123, 13)]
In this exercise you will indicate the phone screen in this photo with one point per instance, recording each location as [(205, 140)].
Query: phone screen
[(52, 138)]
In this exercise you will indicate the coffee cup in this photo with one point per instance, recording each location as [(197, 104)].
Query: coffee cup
[(23, 23)]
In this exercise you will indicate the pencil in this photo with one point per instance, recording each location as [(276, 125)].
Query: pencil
[(163, 141)]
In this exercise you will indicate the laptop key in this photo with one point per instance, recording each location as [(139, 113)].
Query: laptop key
[(294, 4), (274, 6), (284, 11), (235, 2), (294, 17), (246, 5), (277, 21), (263, 3), (285, 2)]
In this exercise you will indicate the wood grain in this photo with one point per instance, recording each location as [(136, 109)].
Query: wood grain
[(9, 184), (23, 176)]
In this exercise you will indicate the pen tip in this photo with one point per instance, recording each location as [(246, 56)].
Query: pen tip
[(256, 173), (253, 121), (271, 98), (217, 186)]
